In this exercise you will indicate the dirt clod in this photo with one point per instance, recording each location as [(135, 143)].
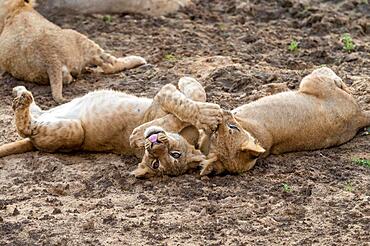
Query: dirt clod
[(15, 212)]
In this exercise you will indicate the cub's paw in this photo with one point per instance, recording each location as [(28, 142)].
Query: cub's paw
[(137, 140), (207, 168), (209, 116), (17, 91), (132, 61), (23, 100), (60, 99)]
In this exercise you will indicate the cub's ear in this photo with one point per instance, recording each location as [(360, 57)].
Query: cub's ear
[(250, 145), (191, 135)]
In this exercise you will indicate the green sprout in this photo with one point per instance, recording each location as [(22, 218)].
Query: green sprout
[(348, 44), (362, 162), (170, 57), (293, 46), (287, 188), (107, 18), (348, 187)]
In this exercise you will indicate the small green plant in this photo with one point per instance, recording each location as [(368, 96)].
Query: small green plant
[(107, 18), (293, 46), (170, 57), (362, 162), (222, 27), (348, 187), (348, 44), (287, 188), (365, 1)]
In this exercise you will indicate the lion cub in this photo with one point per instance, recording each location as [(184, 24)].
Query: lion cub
[(36, 50), (320, 114), (104, 120)]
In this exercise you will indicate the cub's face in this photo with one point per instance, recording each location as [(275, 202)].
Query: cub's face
[(235, 148), (166, 154)]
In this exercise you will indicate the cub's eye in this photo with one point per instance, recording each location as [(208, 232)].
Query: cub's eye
[(155, 164), (232, 126), (175, 154)]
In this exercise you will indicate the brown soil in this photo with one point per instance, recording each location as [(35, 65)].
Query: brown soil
[(89, 198)]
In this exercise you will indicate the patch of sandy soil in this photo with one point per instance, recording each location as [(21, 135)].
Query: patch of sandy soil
[(239, 51)]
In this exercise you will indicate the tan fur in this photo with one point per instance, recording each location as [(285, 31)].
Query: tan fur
[(104, 120), (172, 154), (36, 50), (320, 114)]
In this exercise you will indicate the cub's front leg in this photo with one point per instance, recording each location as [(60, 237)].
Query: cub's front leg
[(202, 115), (170, 123)]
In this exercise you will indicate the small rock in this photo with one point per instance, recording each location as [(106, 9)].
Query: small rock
[(351, 57), (203, 212), (57, 211), (15, 212), (89, 225), (1, 219), (46, 217)]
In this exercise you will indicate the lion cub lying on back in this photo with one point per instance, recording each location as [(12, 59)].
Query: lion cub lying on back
[(104, 120), (36, 50), (320, 114)]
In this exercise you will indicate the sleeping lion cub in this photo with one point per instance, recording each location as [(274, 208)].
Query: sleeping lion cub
[(320, 114), (36, 50), (104, 120)]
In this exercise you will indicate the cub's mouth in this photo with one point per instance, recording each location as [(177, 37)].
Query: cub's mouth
[(154, 136)]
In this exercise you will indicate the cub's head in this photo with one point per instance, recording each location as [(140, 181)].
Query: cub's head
[(235, 148), (168, 153), (9, 6)]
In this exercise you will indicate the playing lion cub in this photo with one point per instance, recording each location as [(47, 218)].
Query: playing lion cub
[(103, 121), (320, 114), (36, 50)]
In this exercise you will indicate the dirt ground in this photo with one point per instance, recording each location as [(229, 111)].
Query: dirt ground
[(308, 198)]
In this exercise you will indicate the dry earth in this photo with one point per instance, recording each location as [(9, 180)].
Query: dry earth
[(307, 198)]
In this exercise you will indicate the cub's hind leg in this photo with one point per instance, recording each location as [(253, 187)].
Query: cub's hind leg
[(35, 110), (109, 63), (323, 82), (47, 133)]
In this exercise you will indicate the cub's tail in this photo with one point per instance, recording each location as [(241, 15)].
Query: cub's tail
[(17, 147)]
